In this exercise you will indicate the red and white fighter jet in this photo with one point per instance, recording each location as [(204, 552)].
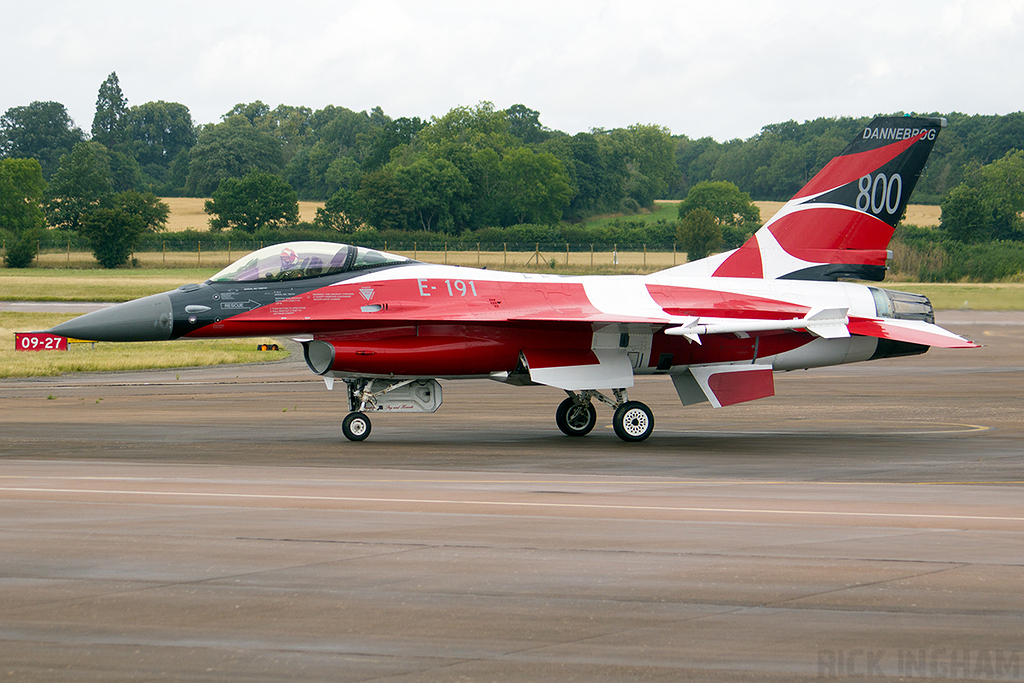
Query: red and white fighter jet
[(390, 327)]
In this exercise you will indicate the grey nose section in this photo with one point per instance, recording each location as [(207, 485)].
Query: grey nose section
[(146, 319)]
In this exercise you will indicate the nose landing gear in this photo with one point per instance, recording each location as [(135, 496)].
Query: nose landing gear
[(356, 426)]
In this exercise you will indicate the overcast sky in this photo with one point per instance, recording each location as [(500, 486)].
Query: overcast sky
[(722, 68)]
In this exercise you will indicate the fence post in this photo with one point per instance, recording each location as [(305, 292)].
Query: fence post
[(413, 251), (229, 252), (566, 253), (446, 253), (615, 254), (199, 254), (591, 255), (673, 253), (504, 251), (478, 253), (537, 254), (69, 254), (645, 256), (164, 249)]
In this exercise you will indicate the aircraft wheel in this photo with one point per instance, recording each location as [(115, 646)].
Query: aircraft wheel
[(633, 421), (355, 426), (575, 419)]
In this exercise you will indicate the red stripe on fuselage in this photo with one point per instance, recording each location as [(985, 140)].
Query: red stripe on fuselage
[(725, 348), (708, 302)]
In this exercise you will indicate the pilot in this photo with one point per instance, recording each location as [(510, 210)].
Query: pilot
[(289, 259)]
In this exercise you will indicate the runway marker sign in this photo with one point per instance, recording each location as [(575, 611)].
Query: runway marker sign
[(39, 341)]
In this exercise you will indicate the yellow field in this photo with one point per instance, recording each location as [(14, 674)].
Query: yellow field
[(187, 212), (921, 215)]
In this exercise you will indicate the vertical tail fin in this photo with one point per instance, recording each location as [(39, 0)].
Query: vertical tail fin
[(840, 223)]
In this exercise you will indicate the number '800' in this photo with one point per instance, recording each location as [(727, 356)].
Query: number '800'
[(880, 192)]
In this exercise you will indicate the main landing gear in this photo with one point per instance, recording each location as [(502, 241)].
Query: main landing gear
[(576, 415)]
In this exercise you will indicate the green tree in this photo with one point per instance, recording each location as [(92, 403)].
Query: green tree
[(254, 201), (989, 203), (114, 226), (146, 207), (1002, 187), (112, 234), (21, 192), (964, 216), (726, 203), (393, 134), (650, 162), (535, 186), (42, 131), (21, 217), (436, 191), (590, 169), (341, 212), (22, 249), (230, 150), (384, 201), (82, 180), (480, 126), (125, 173), (524, 123), (108, 124), (158, 133), (699, 234)]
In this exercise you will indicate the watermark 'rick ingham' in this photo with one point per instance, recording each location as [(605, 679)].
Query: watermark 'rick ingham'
[(997, 664)]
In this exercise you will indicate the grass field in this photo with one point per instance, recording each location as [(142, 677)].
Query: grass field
[(42, 284), (115, 357)]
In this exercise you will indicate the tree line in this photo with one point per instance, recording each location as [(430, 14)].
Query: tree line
[(471, 169)]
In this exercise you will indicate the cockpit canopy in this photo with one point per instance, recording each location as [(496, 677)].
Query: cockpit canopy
[(299, 260)]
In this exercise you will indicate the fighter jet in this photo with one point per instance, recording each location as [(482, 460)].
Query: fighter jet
[(390, 327)]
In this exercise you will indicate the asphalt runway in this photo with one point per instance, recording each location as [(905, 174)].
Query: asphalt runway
[(214, 524)]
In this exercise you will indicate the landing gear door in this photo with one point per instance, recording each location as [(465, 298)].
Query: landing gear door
[(635, 343), (387, 396)]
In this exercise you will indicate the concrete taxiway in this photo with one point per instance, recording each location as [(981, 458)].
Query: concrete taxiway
[(214, 524)]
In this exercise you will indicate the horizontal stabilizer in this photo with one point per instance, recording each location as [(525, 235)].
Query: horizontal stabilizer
[(724, 385), (579, 370), (909, 331)]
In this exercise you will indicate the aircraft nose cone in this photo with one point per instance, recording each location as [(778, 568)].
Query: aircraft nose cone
[(146, 319)]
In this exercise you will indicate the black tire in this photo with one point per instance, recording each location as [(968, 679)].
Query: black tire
[(633, 421), (575, 419), (355, 426)]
